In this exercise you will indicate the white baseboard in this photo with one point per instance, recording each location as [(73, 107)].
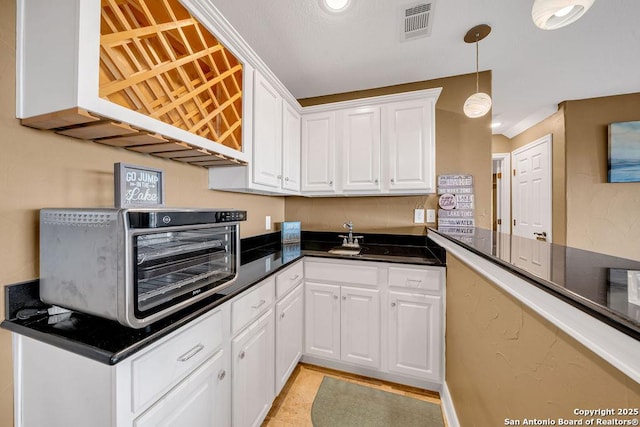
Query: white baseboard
[(448, 409)]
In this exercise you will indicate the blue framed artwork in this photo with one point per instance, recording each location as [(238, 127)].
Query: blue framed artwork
[(624, 152)]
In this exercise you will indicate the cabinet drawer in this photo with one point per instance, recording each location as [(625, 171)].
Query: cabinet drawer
[(355, 273), (155, 372), (415, 278), (247, 307), (289, 278)]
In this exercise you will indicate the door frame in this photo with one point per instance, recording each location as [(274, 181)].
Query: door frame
[(547, 141), (503, 190)]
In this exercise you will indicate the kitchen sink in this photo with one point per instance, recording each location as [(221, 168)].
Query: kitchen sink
[(345, 250)]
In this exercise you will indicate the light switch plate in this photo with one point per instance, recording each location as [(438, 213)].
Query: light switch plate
[(431, 216), (418, 216), (267, 222)]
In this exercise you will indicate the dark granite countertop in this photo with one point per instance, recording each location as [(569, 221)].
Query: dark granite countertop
[(109, 342), (595, 283)]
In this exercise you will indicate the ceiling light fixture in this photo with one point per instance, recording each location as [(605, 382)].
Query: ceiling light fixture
[(478, 104), (552, 14), (335, 6)]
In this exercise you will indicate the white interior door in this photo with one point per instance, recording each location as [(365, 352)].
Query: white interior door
[(531, 209)]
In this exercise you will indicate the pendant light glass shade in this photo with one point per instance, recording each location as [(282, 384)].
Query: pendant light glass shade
[(477, 105), (552, 14)]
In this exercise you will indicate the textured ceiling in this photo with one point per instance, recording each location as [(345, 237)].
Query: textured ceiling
[(317, 53)]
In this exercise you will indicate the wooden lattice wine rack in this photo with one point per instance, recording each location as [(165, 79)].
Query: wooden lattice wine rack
[(158, 60)]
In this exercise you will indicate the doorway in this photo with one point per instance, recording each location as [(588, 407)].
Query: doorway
[(531, 207)]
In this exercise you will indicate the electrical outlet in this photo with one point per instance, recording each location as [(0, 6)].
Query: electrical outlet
[(418, 216), (267, 222), (431, 216)]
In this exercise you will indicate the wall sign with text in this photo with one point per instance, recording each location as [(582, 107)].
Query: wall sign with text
[(137, 186)]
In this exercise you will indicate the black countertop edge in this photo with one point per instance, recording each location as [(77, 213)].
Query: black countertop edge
[(597, 311), (77, 333), (147, 335)]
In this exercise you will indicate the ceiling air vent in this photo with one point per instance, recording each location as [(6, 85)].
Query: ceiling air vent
[(416, 20)]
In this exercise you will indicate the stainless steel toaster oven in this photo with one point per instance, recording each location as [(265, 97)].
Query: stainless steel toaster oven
[(136, 266)]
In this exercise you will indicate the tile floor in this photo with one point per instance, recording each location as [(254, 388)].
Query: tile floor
[(292, 408)]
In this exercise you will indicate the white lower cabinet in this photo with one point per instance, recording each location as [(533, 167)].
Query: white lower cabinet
[(378, 319), (414, 335), (289, 334), (202, 400), (360, 326), (322, 320), (342, 322), (252, 384)]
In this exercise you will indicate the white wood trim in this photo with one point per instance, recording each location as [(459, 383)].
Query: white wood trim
[(504, 203), (448, 409), (375, 100), (17, 379), (370, 372), (617, 348)]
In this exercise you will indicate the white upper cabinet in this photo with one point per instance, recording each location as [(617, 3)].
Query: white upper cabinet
[(267, 133), (380, 145), (274, 123), (290, 148), (409, 133), (318, 153), (360, 145)]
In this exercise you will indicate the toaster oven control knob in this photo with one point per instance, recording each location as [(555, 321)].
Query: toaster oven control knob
[(166, 219)]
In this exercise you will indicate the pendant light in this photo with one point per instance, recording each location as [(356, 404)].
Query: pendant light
[(478, 104), (552, 14)]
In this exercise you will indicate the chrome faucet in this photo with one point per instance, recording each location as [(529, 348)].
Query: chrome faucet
[(350, 240)]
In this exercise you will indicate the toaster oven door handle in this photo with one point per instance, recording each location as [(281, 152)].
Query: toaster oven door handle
[(189, 354)]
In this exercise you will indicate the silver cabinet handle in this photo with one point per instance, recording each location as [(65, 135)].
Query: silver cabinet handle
[(393, 180), (294, 277), (221, 375), (393, 304), (241, 355), (279, 176), (286, 178), (282, 316), (375, 181), (189, 354), (330, 183), (260, 304), (335, 297), (414, 280), (344, 298)]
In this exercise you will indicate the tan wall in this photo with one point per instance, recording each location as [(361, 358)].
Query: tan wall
[(40, 169), (602, 217), (500, 144), (463, 145), (505, 361)]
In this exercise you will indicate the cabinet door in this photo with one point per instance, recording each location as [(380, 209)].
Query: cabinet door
[(360, 148), (252, 388), (289, 329), (322, 320), (360, 326), (290, 148), (409, 134), (202, 399), (415, 335), (267, 133), (318, 152)]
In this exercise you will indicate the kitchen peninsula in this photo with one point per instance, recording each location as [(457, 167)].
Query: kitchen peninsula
[(548, 346)]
